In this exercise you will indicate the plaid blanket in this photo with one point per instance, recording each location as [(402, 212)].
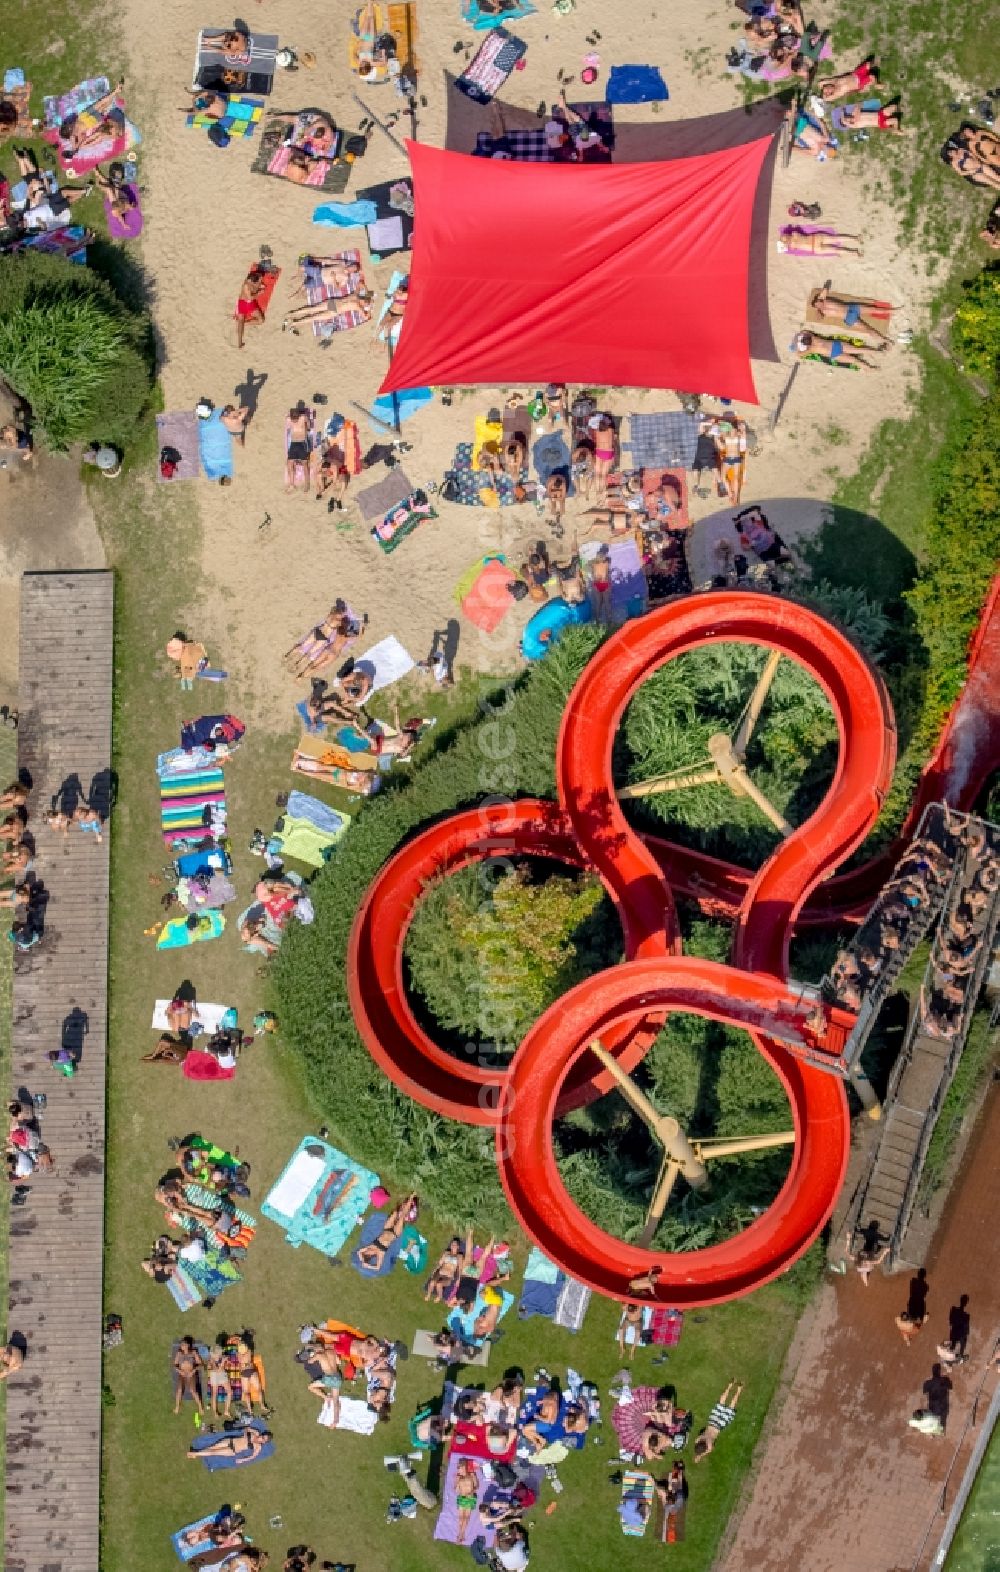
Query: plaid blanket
[(491, 65), (530, 147), (667, 438)]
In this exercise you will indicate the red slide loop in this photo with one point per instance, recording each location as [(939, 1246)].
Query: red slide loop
[(550, 1072)]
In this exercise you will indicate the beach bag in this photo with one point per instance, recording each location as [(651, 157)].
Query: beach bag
[(170, 461)]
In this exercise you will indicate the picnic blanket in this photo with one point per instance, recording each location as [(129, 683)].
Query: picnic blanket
[(571, 1306), (241, 118), (370, 1230), (179, 431), (330, 171), (68, 240), (304, 841), (531, 145), (221, 1460), (249, 72), (20, 97), (550, 454), (489, 600), (481, 20), (377, 500), (463, 1321), (395, 21), (543, 1282), (391, 409), (491, 65), (176, 935), (215, 447), (668, 438), (423, 1347), (320, 1196), (402, 520), (636, 1505), (636, 84), (193, 1281), (391, 228), (473, 487)]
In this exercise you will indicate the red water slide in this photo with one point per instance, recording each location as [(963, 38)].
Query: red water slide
[(550, 1071)]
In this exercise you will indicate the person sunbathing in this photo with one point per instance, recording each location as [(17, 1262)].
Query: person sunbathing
[(722, 1415), (853, 313), (233, 40), (556, 492), (329, 310), (328, 1378), (168, 1050), (327, 639), (315, 135), (333, 272), (243, 1446), (809, 136), (381, 1385), (982, 144), (208, 104), (466, 1496), (17, 860), (847, 82), (169, 1194), (445, 1274), (162, 1259), (248, 306), (514, 458), (371, 1256), (603, 428), (583, 469), (811, 346), (486, 1321), (220, 1388), (98, 120), (187, 1366), (885, 118), (817, 244)]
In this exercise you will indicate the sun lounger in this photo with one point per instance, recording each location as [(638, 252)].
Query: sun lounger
[(491, 65), (252, 72)]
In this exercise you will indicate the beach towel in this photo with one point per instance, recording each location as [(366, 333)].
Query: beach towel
[(636, 1505), (330, 171), (395, 21), (317, 292), (214, 1464), (636, 84), (838, 112), (370, 1230), (543, 1283), (678, 518), (181, 761), (248, 72), (326, 763), (78, 103), (212, 730), (491, 65), (390, 228), (20, 96), (872, 318), (183, 1289), (345, 215), (423, 1347), (184, 1551), (401, 521), (571, 1306), (386, 662), (129, 225), (532, 146), (179, 431), (668, 438), (352, 1413), (312, 441), (786, 232), (210, 1016), (628, 594), (69, 241), (489, 599), (549, 454), (463, 1321), (206, 860), (476, 488), (301, 840), (215, 447), (320, 1196), (208, 891), (301, 806), (200, 1066), (446, 1527), (663, 1326), (481, 20), (377, 500), (192, 806), (386, 326), (270, 276), (241, 118), (175, 934), (413, 1250)]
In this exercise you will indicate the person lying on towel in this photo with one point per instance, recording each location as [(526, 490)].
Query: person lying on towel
[(243, 1446)]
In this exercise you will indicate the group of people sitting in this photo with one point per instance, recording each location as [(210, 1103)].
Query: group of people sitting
[(25, 1153), (211, 1375), (173, 1046), (650, 1424), (334, 1355), (466, 1280), (340, 705), (974, 153), (278, 898), (959, 940)]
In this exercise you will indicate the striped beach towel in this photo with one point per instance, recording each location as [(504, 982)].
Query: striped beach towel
[(192, 805)]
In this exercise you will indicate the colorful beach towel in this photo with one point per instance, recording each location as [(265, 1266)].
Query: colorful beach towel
[(476, 17), (127, 226), (176, 935), (77, 109), (329, 171), (402, 520), (215, 447), (178, 432), (185, 1551), (628, 593), (491, 65), (320, 1196), (193, 805), (303, 841), (489, 599), (636, 1505), (240, 120), (395, 21)]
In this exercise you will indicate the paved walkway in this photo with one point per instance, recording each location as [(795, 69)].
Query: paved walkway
[(843, 1482), (52, 1486)]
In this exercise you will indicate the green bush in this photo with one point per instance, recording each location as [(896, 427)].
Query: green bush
[(975, 333), (73, 351)]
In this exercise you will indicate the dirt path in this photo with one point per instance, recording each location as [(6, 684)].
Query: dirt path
[(843, 1482)]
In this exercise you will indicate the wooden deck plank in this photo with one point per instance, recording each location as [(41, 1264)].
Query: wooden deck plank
[(51, 1517)]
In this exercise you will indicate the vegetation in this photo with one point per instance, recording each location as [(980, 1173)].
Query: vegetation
[(975, 333), (72, 349)]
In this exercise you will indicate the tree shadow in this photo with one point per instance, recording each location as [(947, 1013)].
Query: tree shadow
[(854, 550)]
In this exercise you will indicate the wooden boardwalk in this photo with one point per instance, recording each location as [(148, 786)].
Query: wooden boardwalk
[(53, 1465)]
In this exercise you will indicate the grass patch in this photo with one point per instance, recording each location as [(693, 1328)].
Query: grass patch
[(976, 1062)]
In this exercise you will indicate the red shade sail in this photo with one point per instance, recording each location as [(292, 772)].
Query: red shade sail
[(622, 275)]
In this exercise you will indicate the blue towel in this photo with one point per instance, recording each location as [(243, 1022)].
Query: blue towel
[(213, 1464), (407, 404), (301, 806), (636, 84), (187, 1552), (12, 78), (370, 1230), (317, 728), (346, 215), (480, 20), (215, 447)]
